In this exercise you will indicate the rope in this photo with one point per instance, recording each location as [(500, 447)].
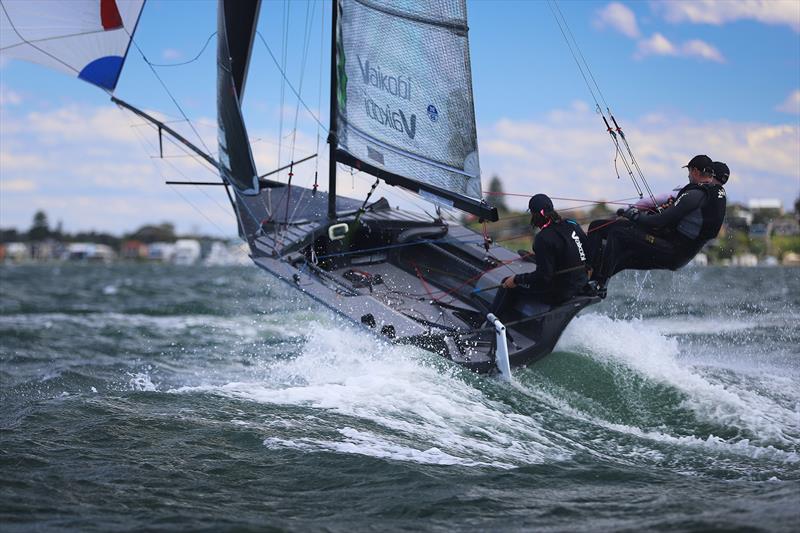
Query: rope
[(289, 84), (584, 69), (422, 279), (191, 60)]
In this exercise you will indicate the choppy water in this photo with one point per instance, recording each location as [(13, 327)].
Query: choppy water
[(152, 397)]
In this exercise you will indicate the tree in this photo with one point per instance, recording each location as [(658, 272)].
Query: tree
[(9, 235), (40, 229), (164, 232), (497, 198), (600, 210)]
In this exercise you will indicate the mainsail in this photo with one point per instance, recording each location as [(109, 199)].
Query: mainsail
[(404, 97), (85, 38)]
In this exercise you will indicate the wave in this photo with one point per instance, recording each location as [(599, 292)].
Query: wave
[(352, 394), (754, 405)]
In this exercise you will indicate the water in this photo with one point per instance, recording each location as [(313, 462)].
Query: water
[(154, 397)]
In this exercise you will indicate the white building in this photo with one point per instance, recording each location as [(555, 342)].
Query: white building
[(187, 252), (17, 252), (223, 254), (89, 251), (765, 203), (160, 251)]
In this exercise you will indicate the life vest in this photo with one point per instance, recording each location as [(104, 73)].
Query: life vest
[(711, 212)]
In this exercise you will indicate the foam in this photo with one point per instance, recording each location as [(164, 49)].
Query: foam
[(141, 381), (422, 408), (363, 443), (246, 328), (642, 347)]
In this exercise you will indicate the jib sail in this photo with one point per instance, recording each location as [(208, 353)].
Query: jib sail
[(404, 96)]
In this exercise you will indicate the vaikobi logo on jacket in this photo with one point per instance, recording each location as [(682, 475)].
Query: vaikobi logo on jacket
[(579, 245)]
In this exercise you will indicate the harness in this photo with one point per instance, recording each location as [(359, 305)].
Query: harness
[(712, 210)]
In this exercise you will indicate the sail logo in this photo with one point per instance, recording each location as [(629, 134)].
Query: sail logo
[(396, 120), (579, 245), (394, 85)]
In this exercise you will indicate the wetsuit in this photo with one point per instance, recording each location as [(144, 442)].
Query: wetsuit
[(560, 251), (666, 240)]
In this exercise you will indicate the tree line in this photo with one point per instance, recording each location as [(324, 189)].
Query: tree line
[(40, 230)]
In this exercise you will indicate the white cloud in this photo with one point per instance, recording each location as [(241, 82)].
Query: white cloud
[(792, 103), (656, 45), (91, 169), (717, 12), (659, 45), (17, 185), (567, 155), (98, 168), (171, 54), (619, 17), (701, 49), (9, 97)]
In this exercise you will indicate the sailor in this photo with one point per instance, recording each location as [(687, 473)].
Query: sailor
[(560, 252), (668, 239)]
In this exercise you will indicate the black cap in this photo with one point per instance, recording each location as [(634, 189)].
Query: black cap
[(539, 202), (721, 172), (701, 162)]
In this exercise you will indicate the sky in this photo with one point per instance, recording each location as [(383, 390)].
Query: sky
[(720, 77)]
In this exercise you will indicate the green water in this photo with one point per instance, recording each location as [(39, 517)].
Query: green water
[(155, 397)]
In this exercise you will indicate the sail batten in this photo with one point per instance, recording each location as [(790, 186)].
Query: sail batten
[(405, 104)]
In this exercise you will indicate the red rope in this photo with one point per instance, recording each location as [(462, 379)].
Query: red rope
[(621, 201), (601, 226), (422, 279)]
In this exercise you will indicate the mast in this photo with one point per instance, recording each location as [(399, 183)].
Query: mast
[(332, 138)]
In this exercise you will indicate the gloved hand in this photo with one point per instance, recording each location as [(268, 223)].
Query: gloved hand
[(509, 282), (631, 214)]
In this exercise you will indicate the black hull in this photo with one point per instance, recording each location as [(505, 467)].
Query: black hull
[(402, 276)]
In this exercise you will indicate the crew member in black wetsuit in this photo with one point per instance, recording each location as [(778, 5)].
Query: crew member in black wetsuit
[(561, 261), (665, 240)]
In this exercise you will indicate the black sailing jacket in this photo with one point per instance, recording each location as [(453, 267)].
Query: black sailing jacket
[(559, 247)]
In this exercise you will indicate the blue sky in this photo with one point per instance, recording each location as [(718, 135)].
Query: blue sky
[(714, 77)]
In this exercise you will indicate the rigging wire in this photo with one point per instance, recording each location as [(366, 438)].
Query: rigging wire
[(289, 84), (179, 146), (169, 93), (605, 103), (584, 69), (306, 40), (143, 140), (195, 58)]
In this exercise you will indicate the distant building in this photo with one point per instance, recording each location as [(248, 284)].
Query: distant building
[(791, 259), (17, 252), (738, 218), (47, 250), (133, 250), (224, 254), (160, 251), (765, 203), (89, 251), (785, 226), (745, 260), (187, 252), (759, 230)]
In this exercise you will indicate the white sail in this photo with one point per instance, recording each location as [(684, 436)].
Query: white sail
[(405, 91), (85, 38)]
